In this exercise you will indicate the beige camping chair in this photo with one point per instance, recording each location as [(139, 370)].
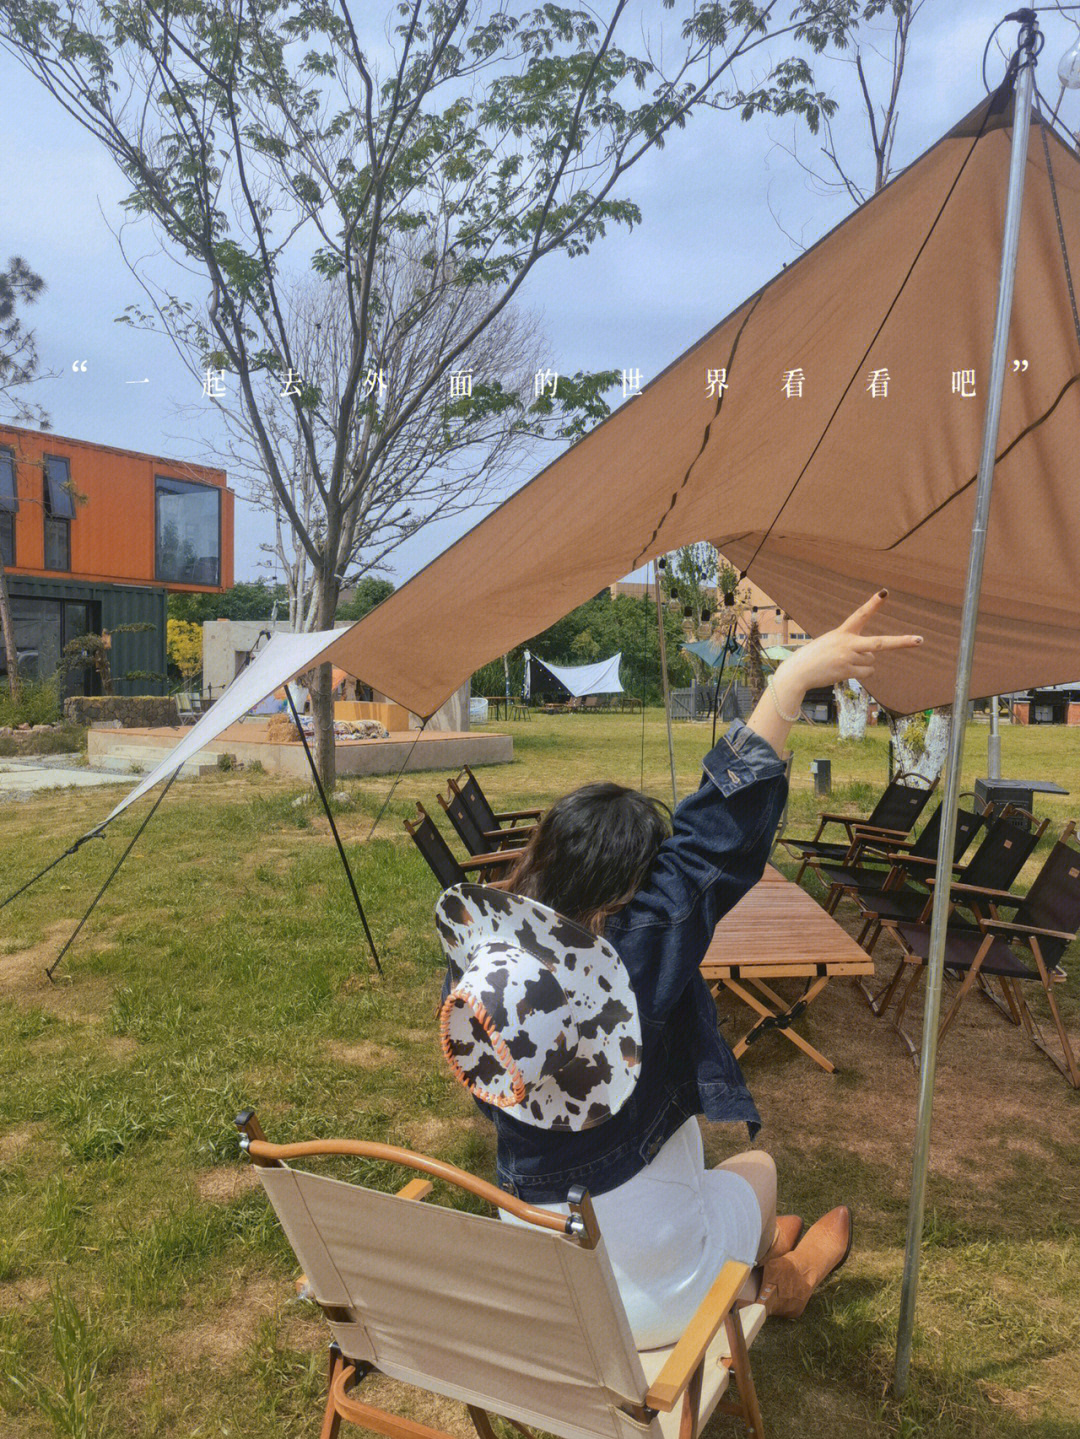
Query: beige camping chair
[(521, 1321)]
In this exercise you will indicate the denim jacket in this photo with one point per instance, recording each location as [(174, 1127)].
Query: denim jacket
[(720, 843)]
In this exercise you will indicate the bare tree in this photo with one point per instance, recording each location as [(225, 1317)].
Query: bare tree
[(441, 463)]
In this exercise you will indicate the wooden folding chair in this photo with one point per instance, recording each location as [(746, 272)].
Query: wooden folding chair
[(442, 862), (475, 839), (893, 817), (982, 882), (877, 866), (467, 787), (522, 1321), (1047, 919)]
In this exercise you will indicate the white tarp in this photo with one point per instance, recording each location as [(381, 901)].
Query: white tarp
[(598, 679), (284, 656)]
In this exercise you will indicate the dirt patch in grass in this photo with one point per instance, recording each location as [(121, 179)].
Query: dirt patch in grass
[(16, 1293), (23, 979), (220, 1185), (366, 1055), (14, 1141), (214, 1340)]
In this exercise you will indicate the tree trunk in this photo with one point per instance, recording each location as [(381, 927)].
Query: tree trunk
[(9, 637), (851, 709), (918, 753), (755, 675), (322, 703)]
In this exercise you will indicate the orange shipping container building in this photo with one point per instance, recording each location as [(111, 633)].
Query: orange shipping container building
[(93, 536)]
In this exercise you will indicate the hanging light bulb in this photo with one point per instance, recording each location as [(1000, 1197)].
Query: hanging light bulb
[(661, 564), (706, 616), (729, 599), (1069, 67), (688, 612), (674, 592)]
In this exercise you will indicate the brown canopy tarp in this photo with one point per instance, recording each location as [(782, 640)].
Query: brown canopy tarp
[(826, 497)]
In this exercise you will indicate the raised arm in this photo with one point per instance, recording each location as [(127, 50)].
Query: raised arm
[(723, 832)]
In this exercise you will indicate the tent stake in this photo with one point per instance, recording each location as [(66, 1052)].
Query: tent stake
[(1024, 61), (664, 683), (333, 828)]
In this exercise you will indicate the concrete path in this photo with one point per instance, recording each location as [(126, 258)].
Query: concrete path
[(24, 775)]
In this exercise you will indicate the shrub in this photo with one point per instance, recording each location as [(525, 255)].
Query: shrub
[(38, 703)]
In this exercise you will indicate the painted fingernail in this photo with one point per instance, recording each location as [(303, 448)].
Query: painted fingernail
[(882, 594), (918, 639)]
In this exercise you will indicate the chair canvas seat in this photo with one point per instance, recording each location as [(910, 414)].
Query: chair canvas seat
[(961, 949), (717, 1373)]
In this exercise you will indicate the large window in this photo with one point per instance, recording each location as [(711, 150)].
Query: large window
[(9, 503), (188, 529), (59, 512)]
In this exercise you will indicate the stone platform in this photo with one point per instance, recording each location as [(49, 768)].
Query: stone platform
[(123, 750)]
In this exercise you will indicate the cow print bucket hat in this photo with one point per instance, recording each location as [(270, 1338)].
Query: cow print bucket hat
[(541, 1019)]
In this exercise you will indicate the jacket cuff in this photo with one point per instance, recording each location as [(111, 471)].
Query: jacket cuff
[(740, 758)]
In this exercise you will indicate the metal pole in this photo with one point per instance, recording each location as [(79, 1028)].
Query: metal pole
[(993, 746), (1025, 80), (664, 682)]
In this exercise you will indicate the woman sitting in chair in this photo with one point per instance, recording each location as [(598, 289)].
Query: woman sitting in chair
[(576, 1014)]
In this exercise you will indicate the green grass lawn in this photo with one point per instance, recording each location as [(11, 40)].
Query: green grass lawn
[(145, 1287)]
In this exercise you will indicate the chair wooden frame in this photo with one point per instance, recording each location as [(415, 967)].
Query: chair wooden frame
[(1012, 1002), (878, 923), (858, 828), (428, 839), (471, 792), (473, 836), (679, 1381)]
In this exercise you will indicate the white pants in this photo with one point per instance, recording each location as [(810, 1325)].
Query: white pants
[(669, 1230)]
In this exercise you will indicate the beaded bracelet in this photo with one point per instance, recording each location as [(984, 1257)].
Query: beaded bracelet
[(788, 719)]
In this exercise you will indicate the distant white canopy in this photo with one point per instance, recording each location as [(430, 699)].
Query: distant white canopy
[(598, 679)]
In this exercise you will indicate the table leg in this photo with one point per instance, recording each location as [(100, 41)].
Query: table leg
[(766, 1013)]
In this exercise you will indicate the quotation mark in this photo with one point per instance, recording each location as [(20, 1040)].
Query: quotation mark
[(79, 365), (1019, 365)]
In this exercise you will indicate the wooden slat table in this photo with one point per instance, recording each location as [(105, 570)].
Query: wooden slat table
[(778, 931)]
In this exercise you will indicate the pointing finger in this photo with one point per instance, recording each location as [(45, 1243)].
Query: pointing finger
[(854, 622)]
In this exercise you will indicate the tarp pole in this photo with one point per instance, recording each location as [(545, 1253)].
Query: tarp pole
[(1025, 81), (664, 683)]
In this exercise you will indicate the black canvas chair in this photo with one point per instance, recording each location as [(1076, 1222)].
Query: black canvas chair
[(475, 839), (987, 876), (893, 817), (467, 786), (1047, 919), (444, 865), (886, 865)]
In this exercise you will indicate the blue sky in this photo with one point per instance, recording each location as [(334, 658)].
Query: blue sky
[(720, 204)]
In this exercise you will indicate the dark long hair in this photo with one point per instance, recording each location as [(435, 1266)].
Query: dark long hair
[(591, 851)]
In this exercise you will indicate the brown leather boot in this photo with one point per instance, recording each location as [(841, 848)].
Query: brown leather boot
[(788, 1282), (789, 1228)]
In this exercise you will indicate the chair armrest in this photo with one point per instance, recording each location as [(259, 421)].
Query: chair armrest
[(666, 1389), (923, 859), (517, 813), (873, 831), (1000, 896), (485, 861), (1022, 929), (526, 829)]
